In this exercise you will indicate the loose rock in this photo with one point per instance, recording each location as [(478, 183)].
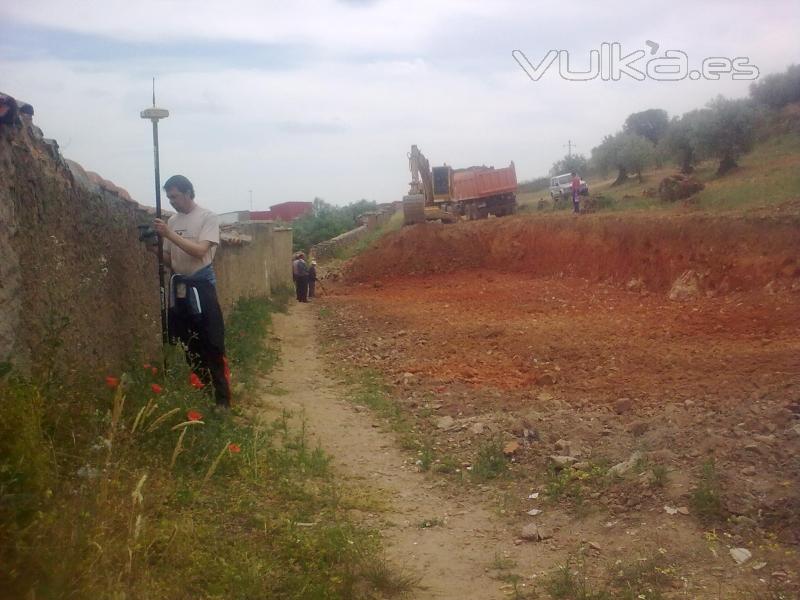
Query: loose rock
[(740, 555), (625, 466), (562, 461), (477, 428), (445, 422)]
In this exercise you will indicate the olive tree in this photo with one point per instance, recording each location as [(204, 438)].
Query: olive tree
[(651, 124), (680, 141), (778, 89), (628, 153), (571, 163), (725, 130)]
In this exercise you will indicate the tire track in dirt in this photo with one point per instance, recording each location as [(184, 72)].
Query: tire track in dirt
[(451, 560)]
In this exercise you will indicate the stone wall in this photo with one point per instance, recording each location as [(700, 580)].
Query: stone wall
[(78, 291), (76, 287), (255, 259), (370, 222)]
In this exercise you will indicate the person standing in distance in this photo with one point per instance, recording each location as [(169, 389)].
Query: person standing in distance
[(191, 237), (300, 275), (576, 193), (312, 279)]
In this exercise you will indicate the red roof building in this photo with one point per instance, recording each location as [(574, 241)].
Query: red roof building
[(289, 211)]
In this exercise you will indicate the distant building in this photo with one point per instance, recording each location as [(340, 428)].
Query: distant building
[(262, 215), (286, 212), (237, 216), (289, 211)]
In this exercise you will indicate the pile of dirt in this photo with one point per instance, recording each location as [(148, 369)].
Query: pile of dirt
[(728, 253)]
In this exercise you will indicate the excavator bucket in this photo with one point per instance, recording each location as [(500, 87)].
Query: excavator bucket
[(413, 209)]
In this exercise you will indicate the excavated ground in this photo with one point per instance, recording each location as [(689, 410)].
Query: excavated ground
[(570, 337)]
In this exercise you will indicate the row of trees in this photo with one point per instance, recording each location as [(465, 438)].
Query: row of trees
[(326, 221), (723, 130)]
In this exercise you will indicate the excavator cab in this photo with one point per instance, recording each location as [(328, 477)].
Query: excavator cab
[(442, 183)]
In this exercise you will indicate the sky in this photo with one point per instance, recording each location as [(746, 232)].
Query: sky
[(324, 98)]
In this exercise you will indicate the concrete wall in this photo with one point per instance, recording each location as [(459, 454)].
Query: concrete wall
[(77, 289)]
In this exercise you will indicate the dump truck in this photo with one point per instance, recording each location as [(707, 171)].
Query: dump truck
[(448, 194)]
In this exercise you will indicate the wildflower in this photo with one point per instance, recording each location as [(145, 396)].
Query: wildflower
[(147, 366), (112, 382), (154, 370), (195, 382), (234, 448), (157, 389), (194, 415)]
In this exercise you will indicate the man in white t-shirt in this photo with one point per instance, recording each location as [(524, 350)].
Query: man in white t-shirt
[(191, 237)]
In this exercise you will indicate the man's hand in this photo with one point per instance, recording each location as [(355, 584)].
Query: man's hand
[(162, 230), (196, 249)]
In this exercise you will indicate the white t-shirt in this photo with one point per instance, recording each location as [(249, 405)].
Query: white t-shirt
[(199, 225)]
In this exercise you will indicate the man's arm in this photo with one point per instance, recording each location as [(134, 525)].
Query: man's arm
[(196, 249)]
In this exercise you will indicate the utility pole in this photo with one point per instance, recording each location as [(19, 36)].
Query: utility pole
[(570, 145), (154, 114)]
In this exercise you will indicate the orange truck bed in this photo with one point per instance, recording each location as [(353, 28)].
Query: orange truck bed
[(483, 182)]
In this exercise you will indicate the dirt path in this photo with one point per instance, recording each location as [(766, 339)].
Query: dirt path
[(453, 559)]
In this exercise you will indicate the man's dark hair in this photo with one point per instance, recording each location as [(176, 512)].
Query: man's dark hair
[(181, 183)]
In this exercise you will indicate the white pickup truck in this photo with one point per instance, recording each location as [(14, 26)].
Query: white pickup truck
[(561, 187)]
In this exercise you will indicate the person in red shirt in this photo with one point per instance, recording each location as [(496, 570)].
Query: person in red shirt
[(576, 193)]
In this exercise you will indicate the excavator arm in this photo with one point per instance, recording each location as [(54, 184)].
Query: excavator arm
[(421, 180)]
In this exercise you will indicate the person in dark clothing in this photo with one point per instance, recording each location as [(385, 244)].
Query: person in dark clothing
[(191, 237), (312, 279), (300, 275)]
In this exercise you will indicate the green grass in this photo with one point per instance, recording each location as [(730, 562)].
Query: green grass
[(394, 223), (706, 498), (644, 578), (767, 176), (113, 493), (490, 462)]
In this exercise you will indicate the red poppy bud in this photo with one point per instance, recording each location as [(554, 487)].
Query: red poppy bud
[(195, 382), (154, 370), (157, 389), (146, 366), (112, 382), (234, 448)]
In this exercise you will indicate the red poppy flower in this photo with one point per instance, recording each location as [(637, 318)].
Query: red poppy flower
[(194, 415), (234, 448), (195, 382), (157, 389), (146, 366), (112, 382), (154, 370)]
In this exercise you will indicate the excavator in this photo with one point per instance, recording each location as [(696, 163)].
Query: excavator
[(448, 195)]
